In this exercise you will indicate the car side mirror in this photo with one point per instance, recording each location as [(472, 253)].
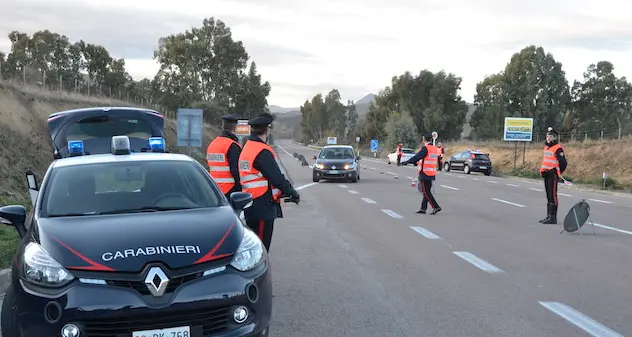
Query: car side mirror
[(14, 215), (358, 158), (240, 200), (314, 157)]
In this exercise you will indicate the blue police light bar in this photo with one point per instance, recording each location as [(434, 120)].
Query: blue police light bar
[(75, 148), (157, 144), (121, 145)]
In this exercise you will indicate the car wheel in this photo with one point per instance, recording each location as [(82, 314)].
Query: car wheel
[(466, 169), (488, 172), (446, 167), (8, 320), (388, 161), (315, 178)]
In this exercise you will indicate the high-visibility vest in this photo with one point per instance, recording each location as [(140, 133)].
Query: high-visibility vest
[(549, 159), (400, 151), (252, 180), (428, 165), (218, 166)]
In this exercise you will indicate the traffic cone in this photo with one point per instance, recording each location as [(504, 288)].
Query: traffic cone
[(413, 183)]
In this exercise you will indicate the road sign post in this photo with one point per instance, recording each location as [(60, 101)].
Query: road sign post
[(518, 129), (332, 140), (190, 128), (374, 147), (242, 130)]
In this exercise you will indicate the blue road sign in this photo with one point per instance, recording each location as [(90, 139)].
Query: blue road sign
[(190, 126), (374, 144)]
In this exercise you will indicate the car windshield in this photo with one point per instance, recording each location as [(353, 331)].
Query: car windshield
[(128, 187), (336, 153)]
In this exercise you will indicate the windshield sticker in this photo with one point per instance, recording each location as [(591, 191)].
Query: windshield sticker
[(148, 251)]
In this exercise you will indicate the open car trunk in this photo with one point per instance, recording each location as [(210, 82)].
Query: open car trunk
[(96, 127)]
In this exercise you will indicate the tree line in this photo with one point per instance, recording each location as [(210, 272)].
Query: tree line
[(532, 85), (203, 67), (328, 117)]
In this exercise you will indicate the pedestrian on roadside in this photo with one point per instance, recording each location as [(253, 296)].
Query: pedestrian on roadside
[(426, 160), (553, 165)]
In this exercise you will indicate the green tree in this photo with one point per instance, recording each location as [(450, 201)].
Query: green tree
[(352, 122), (400, 128), (489, 118), (536, 87), (252, 97), (335, 115)]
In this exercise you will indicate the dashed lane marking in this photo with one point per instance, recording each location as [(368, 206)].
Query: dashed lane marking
[(601, 201), (612, 228), (304, 186), (508, 202), (368, 201), (343, 186), (353, 192), (428, 234), (449, 187), (492, 182), (535, 189), (392, 214), (580, 320), (512, 185), (479, 263)]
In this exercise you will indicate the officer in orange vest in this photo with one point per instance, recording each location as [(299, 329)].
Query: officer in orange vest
[(400, 153), (441, 153), (553, 165), (426, 159), (262, 177), (222, 156)]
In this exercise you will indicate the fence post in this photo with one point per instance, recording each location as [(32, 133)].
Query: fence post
[(601, 139)]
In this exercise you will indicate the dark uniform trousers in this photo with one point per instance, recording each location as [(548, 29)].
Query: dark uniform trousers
[(399, 160), (550, 185), (425, 187), (263, 229)]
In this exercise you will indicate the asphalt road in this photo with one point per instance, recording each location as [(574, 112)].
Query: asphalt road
[(354, 259)]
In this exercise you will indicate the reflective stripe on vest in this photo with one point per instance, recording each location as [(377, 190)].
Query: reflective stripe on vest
[(218, 166), (549, 159), (252, 180), (428, 165)]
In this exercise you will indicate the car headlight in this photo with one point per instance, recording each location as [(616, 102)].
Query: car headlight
[(348, 166), (320, 166), (40, 268), (250, 252)]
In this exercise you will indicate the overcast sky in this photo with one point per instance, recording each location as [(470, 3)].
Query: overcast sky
[(304, 47)]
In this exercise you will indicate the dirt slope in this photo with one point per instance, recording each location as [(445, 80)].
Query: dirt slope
[(24, 140)]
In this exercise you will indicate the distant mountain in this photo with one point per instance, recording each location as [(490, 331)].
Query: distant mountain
[(366, 99), (281, 110)]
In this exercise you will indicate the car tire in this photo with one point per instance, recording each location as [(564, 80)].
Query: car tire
[(388, 161), (446, 167), (355, 179), (488, 172), (8, 322), (466, 169), (315, 179)]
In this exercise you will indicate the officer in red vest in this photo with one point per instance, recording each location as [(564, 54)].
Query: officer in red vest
[(427, 159), (553, 165), (261, 176), (222, 156), (400, 153)]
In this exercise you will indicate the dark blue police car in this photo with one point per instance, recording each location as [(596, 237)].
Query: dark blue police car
[(135, 245)]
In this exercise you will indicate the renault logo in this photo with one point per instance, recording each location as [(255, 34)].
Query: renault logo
[(156, 281)]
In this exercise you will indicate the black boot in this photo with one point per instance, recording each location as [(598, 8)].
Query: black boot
[(548, 214), (552, 220)]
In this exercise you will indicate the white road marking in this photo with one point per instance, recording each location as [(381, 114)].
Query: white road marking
[(462, 177), (449, 187), (612, 228), (478, 262), (535, 189), (428, 234), (392, 214), (601, 201), (353, 192), (392, 173), (305, 186), (564, 194), (512, 185), (343, 186), (448, 174), (311, 166), (410, 178), (281, 147), (492, 182), (368, 201), (373, 168), (580, 320), (508, 202), (475, 179)]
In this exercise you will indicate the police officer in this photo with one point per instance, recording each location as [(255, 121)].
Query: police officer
[(400, 153), (553, 165), (262, 177), (222, 156), (426, 159), (441, 153)]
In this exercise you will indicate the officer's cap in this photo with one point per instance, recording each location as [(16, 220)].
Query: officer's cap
[(428, 136), (552, 132), (231, 118), (262, 120)]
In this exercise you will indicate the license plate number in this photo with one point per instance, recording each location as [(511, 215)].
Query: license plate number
[(483, 167), (183, 331), (334, 172)]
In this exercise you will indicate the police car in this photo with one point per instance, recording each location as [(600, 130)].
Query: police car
[(469, 161), (134, 244)]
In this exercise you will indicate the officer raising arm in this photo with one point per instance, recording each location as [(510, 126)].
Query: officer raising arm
[(262, 177), (553, 165), (427, 158), (222, 156)]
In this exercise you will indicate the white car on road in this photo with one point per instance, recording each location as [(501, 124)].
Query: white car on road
[(408, 153)]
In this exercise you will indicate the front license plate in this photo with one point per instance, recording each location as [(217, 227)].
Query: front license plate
[(483, 167), (183, 331), (334, 172)]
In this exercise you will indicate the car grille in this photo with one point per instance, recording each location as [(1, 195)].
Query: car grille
[(142, 289), (213, 321)]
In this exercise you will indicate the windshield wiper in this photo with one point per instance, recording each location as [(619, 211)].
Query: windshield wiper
[(69, 214), (145, 209)]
